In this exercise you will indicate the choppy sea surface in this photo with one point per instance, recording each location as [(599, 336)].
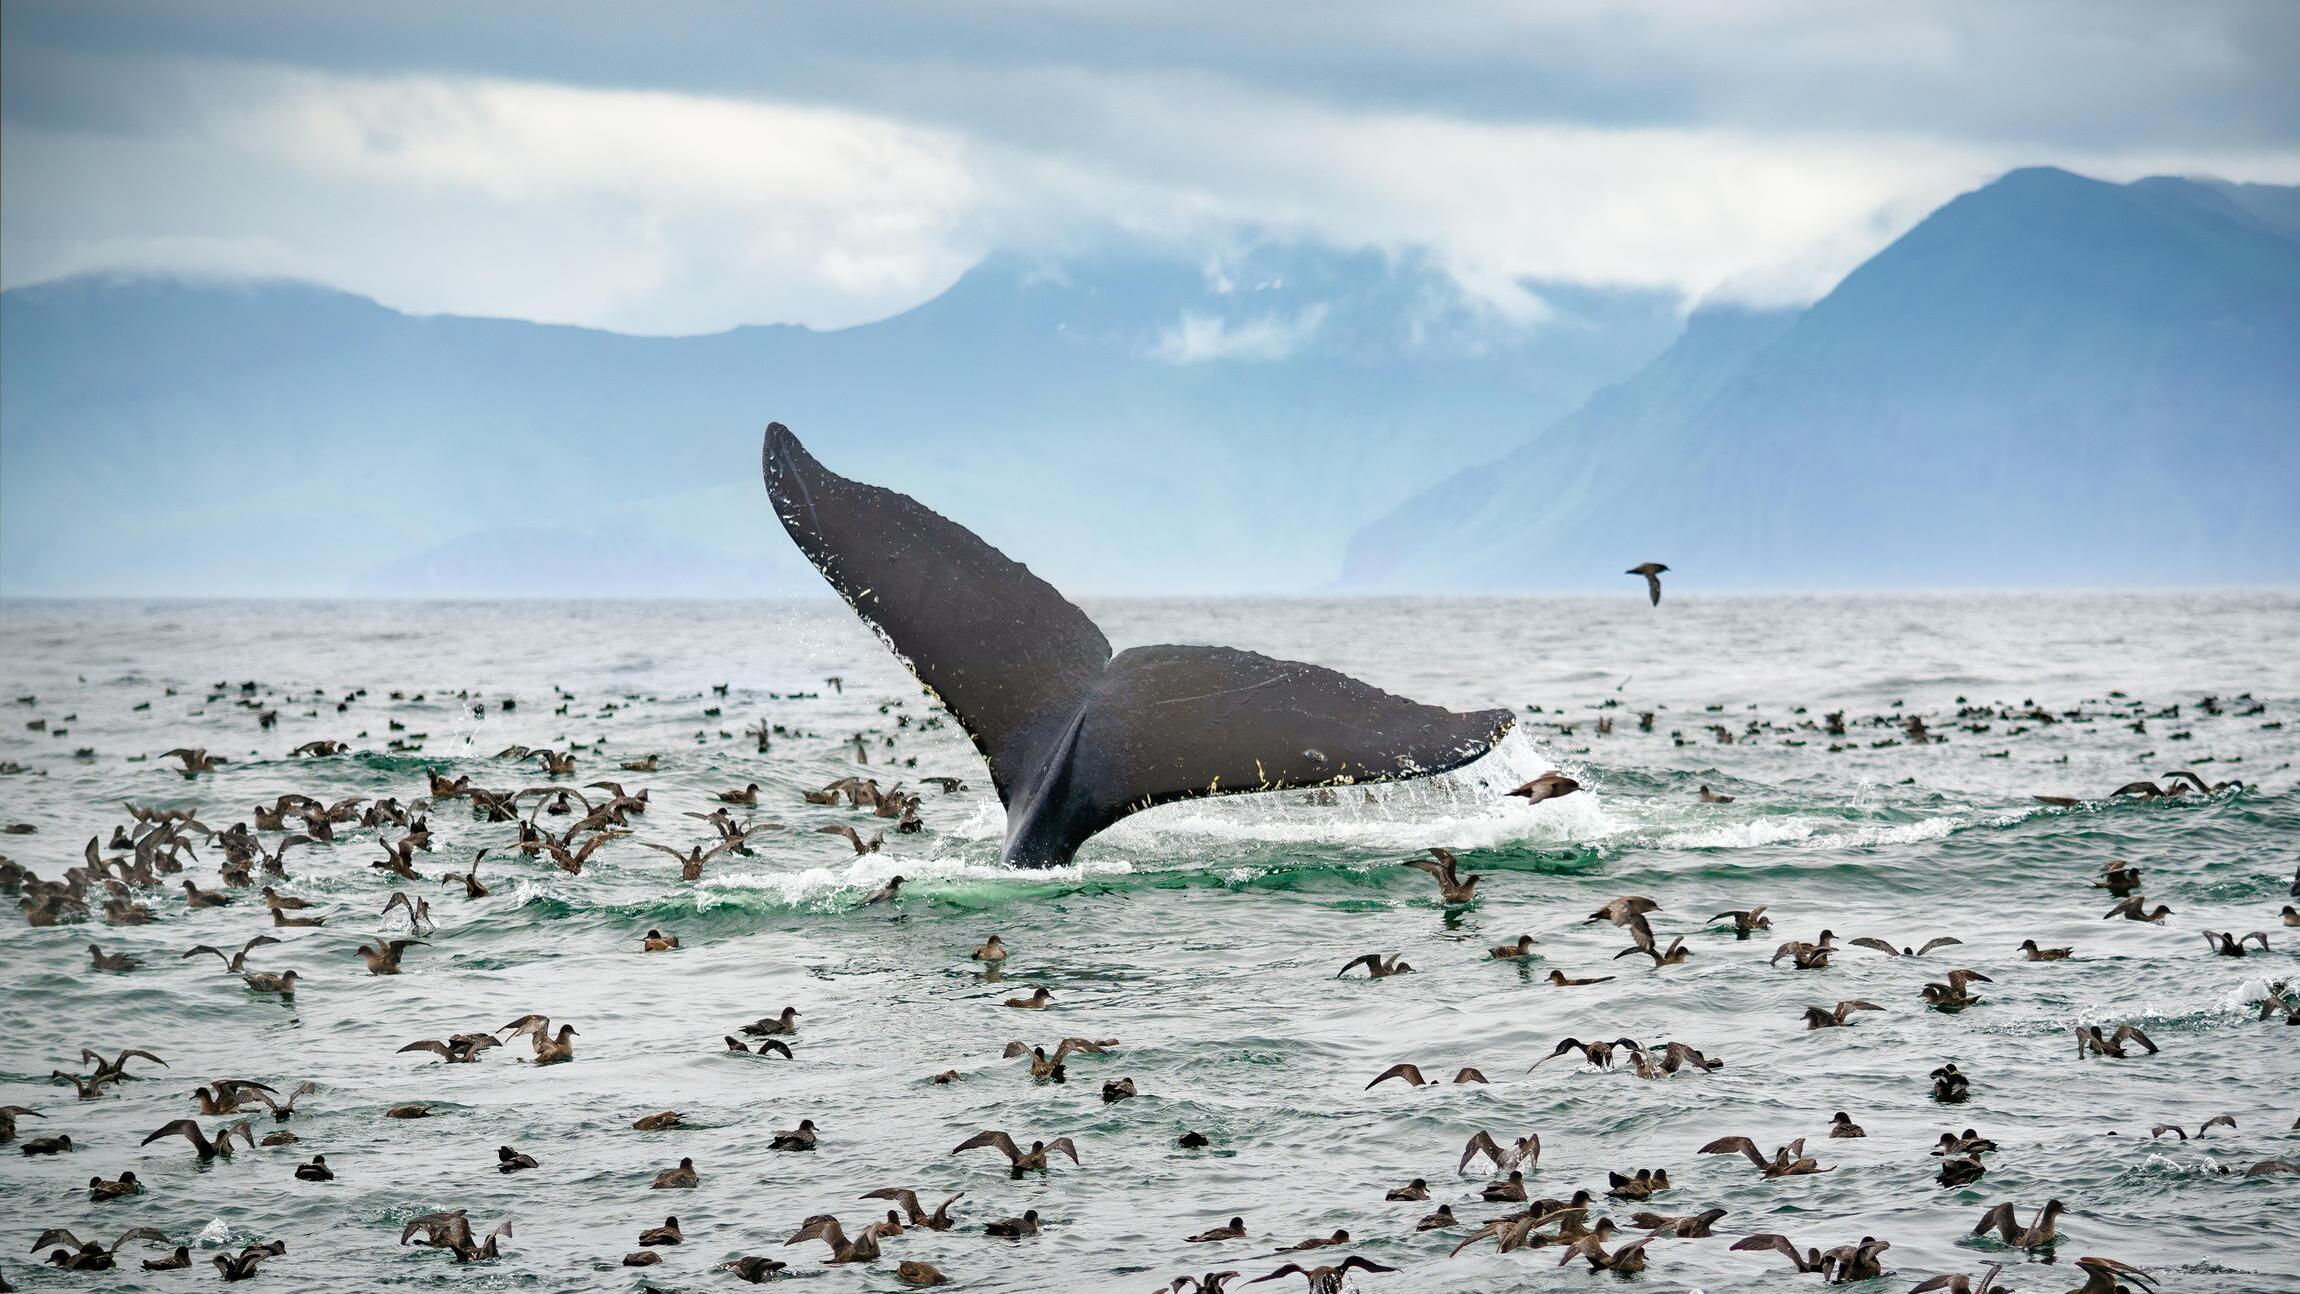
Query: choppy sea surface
[(1205, 937)]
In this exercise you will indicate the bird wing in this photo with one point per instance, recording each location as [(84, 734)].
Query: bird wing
[(1004, 1143), (1436, 869), (1412, 1074), (1481, 1143), (2000, 1220), (1731, 1145), (902, 1195), (184, 1128), (1640, 931), (1065, 1145), (1770, 1240), (1371, 961), (1939, 941), (1871, 941)]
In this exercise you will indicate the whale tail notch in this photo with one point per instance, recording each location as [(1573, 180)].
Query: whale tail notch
[(1077, 738)]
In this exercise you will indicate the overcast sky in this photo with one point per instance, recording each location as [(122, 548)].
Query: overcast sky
[(828, 163)]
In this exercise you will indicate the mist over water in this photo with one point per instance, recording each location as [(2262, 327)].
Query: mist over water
[(1203, 935)]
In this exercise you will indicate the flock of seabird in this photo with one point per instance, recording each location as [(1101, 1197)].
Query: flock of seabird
[(121, 881)]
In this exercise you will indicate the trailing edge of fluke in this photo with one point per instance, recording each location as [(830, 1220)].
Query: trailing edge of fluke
[(1077, 738)]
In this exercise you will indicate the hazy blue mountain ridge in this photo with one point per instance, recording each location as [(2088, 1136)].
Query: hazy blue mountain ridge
[(2050, 380), (1124, 420)]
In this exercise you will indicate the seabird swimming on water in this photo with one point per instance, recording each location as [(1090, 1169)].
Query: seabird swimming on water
[(1021, 1161), (458, 1049), (1818, 1017), (684, 1177), (1038, 1000), (863, 1248), (1950, 1086), (2029, 950), (756, 1271), (2105, 1276), (201, 1145), (1788, 1161), (105, 961), (1562, 980), (1807, 956), (1234, 1229), (1412, 1076), (100, 1190), (2216, 1121), (939, 1220), (1885, 947), (1325, 1280), (1452, 886), (1695, 1226), (787, 1022), (1951, 996), (1512, 951), (558, 1049), (2038, 1234), (240, 959), (1377, 966), (383, 958), (1842, 1125), (2089, 1040), (1525, 1152), (2226, 944)]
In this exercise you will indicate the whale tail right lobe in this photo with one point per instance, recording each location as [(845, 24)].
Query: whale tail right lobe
[(1076, 738)]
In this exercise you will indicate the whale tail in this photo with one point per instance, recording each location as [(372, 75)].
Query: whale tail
[(1077, 738)]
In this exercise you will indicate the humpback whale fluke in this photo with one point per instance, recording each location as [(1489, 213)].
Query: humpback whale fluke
[(1075, 737)]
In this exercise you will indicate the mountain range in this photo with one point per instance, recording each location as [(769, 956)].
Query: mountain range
[(2049, 381), (1125, 420)]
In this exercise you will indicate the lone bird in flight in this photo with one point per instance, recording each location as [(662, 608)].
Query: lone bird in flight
[(1652, 573)]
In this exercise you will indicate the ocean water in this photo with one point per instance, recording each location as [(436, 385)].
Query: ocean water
[(1205, 937)]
